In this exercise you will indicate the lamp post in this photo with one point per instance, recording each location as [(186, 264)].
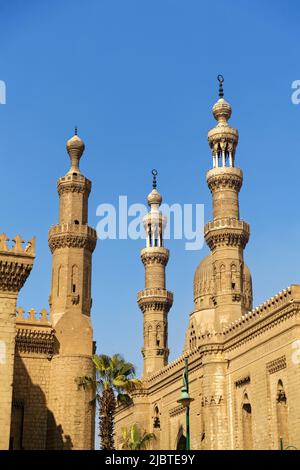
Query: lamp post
[(286, 448), (185, 400)]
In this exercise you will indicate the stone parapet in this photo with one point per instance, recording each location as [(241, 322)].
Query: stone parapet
[(226, 232), (155, 299), (73, 183), (15, 262), (71, 235), (155, 255)]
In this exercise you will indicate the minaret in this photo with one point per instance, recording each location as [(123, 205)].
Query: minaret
[(155, 301), (72, 243), (226, 235)]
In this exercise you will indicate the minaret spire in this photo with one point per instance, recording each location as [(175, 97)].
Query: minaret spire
[(226, 235), (75, 148), (154, 174), (155, 301), (221, 80)]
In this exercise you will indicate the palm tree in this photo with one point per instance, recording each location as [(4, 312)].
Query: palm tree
[(115, 379), (134, 439)]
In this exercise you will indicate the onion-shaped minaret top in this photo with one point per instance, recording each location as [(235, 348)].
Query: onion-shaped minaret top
[(223, 138), (75, 147), (154, 198), (154, 221)]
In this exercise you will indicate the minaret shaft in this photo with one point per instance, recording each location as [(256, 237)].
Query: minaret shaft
[(72, 243), (155, 300), (226, 235)]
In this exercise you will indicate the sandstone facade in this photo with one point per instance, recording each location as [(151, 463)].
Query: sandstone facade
[(244, 363)]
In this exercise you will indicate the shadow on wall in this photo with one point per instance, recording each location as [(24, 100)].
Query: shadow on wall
[(33, 426)]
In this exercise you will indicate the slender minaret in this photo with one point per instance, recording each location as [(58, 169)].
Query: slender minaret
[(155, 301), (226, 235), (72, 241)]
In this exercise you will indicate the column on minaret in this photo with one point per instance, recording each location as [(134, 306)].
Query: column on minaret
[(72, 243), (226, 235), (155, 300), (15, 265)]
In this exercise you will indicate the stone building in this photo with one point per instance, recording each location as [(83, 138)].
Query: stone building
[(42, 355), (243, 363)]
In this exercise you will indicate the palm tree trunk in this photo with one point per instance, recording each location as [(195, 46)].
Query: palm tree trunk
[(107, 419)]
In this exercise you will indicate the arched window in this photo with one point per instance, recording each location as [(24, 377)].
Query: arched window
[(59, 279), (233, 276), (156, 419), (282, 415), (17, 426), (222, 277), (181, 444), (247, 423), (74, 285), (181, 440)]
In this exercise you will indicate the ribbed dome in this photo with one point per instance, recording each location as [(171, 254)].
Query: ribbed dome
[(203, 283)]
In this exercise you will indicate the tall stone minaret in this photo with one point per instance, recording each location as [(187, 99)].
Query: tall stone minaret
[(72, 242), (155, 301), (226, 235)]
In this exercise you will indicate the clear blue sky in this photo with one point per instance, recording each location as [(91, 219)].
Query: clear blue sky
[(139, 78)]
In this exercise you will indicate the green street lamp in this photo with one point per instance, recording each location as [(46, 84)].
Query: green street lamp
[(185, 400), (286, 448)]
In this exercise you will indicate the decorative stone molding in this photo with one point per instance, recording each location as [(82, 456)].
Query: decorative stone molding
[(155, 256), (283, 298), (226, 232), (212, 400), (236, 297), (73, 188), (155, 300), (13, 275), (15, 262), (248, 332), (39, 340), (276, 365), (242, 381), (177, 410), (225, 181), (34, 334), (32, 317), (72, 236), (139, 392), (74, 182), (226, 238)]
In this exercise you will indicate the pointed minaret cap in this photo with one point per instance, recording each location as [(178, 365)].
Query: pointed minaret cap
[(75, 147), (154, 197), (221, 109)]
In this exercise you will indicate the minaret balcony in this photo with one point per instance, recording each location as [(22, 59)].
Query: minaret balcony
[(155, 299), (155, 254), (224, 178), (72, 235), (226, 232)]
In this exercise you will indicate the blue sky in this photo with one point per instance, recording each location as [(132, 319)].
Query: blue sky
[(139, 78)]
